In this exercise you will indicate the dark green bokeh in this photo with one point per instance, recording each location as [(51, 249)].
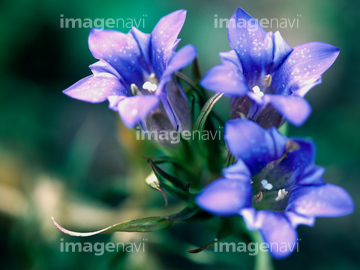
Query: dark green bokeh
[(57, 153)]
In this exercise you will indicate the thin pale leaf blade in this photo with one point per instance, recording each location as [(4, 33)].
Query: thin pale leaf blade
[(204, 113), (148, 224)]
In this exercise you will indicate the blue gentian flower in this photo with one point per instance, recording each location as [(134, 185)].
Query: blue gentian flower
[(135, 74), (265, 76), (274, 185)]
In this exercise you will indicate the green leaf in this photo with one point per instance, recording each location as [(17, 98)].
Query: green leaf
[(178, 165), (172, 184), (148, 224), (190, 83), (198, 250), (175, 181), (204, 113), (224, 231), (196, 70), (185, 214)]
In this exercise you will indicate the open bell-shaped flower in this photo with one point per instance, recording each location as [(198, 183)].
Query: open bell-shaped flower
[(135, 74), (274, 185), (265, 77)]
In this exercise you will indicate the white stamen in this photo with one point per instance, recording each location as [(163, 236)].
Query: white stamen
[(267, 81), (151, 87), (266, 184), (258, 197), (134, 90), (281, 194), (153, 79), (257, 91)]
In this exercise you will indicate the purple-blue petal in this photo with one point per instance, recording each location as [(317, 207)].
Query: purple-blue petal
[(300, 159), (231, 57), (281, 50), (275, 229), (164, 40), (98, 87), (177, 105), (297, 164), (278, 143), (312, 175), (225, 197), (295, 169), (104, 67), (248, 141), (321, 201), (165, 102), (144, 42), (133, 109), (238, 170), (294, 109), (119, 50), (225, 78), (253, 45), (296, 219), (181, 59), (303, 68), (173, 99)]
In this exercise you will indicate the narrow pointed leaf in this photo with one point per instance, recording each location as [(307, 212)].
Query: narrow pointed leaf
[(185, 214), (204, 113), (172, 184), (197, 250), (189, 82), (148, 224), (224, 231)]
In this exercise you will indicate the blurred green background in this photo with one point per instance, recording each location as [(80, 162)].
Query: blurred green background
[(75, 161)]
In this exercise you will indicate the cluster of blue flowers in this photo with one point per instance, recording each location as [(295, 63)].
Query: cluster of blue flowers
[(273, 183)]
